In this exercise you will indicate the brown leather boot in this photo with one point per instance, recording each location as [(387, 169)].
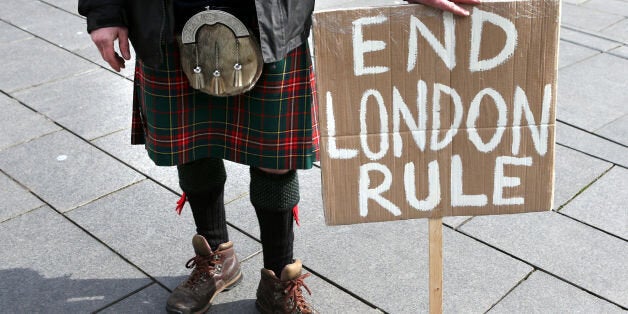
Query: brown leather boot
[(275, 295), (213, 272)]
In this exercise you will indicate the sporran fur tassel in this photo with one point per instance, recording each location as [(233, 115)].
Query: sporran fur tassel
[(198, 81), (217, 83), (237, 75)]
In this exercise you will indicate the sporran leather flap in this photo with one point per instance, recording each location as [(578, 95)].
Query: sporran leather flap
[(219, 54)]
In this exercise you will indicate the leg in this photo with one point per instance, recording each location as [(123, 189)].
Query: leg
[(203, 182)]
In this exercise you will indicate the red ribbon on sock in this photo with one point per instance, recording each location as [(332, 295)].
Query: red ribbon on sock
[(295, 212), (181, 203)]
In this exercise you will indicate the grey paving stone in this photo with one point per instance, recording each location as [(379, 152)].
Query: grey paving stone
[(593, 103), (574, 1), (591, 144), (616, 130), (572, 54), (65, 171), (15, 199), (587, 40), (91, 104), (455, 221), (118, 144), (54, 267), (9, 33), (20, 124), (325, 297), (587, 19), (542, 293), (48, 63), (561, 246), (150, 300), (573, 172), (55, 25), (604, 204), (68, 5), (378, 256), (141, 224), (618, 7), (618, 30)]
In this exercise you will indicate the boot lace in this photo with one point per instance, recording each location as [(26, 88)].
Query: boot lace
[(204, 267), (293, 296)]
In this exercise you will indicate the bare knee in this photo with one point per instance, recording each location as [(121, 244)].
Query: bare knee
[(275, 171)]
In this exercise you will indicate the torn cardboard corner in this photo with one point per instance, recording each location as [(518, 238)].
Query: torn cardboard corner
[(424, 114)]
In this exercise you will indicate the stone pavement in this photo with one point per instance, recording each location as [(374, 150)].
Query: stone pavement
[(87, 223)]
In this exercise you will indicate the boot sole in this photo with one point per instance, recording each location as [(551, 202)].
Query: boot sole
[(228, 286)]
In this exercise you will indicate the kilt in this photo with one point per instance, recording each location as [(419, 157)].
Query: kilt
[(273, 126)]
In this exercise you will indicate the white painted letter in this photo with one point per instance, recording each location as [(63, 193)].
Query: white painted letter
[(478, 18), (446, 52), (455, 124), (401, 109), (361, 46), (474, 113), (457, 193), (333, 150), (367, 193), (383, 124), (539, 135), (433, 196), (501, 181)]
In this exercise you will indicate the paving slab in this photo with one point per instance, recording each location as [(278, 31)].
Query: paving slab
[(392, 254), (91, 104), (589, 40), (604, 204), (64, 170), (140, 223), (579, 254), (15, 199), (49, 63), (617, 7), (119, 145), (606, 92), (542, 293), (573, 172), (54, 267), (10, 33), (616, 130), (571, 54), (325, 297), (151, 299), (20, 124), (620, 52), (55, 25), (70, 6), (585, 18), (91, 52), (591, 144)]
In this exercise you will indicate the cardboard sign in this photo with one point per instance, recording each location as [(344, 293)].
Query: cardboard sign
[(424, 114)]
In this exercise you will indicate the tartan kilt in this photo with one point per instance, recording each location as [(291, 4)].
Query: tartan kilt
[(273, 126)]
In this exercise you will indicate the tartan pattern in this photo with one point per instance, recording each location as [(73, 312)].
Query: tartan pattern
[(273, 126)]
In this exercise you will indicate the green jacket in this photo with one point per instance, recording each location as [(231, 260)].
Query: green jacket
[(283, 24)]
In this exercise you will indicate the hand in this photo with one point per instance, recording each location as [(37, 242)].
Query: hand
[(447, 5), (104, 39)]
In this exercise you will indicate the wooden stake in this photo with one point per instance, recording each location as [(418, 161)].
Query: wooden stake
[(436, 265)]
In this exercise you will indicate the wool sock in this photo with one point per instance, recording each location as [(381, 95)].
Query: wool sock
[(203, 182), (273, 197)]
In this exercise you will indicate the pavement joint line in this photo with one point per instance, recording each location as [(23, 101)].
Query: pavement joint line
[(54, 80), (579, 62), (593, 34), (22, 214), (584, 188), (250, 256), (593, 133), (107, 134), (540, 268), (592, 226), (124, 297), (594, 156), (511, 290), (463, 223), (104, 196), (62, 9)]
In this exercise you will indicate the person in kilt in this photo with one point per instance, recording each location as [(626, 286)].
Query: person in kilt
[(273, 128)]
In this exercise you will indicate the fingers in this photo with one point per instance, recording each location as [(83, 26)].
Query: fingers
[(104, 39), (446, 5), (123, 42), (109, 55)]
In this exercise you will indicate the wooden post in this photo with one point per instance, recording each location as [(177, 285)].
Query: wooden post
[(436, 265)]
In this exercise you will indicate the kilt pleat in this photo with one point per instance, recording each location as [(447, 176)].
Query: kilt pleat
[(273, 126)]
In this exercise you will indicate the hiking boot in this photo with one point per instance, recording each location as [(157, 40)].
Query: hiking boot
[(283, 295), (212, 273)]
